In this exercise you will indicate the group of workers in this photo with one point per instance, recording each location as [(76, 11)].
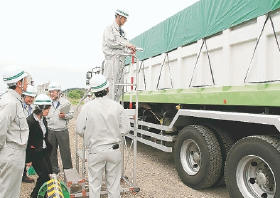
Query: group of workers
[(30, 133), (32, 126)]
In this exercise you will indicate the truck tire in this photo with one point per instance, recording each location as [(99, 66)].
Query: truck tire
[(226, 141), (198, 157), (252, 168)]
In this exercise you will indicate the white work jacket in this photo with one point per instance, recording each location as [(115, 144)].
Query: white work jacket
[(113, 42), (13, 125), (54, 122), (102, 122)]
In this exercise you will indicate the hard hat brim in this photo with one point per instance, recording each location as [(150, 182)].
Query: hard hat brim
[(100, 88), (16, 78)]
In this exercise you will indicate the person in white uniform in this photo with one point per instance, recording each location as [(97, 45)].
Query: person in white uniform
[(115, 46), (58, 119), (13, 132), (28, 98), (102, 122)]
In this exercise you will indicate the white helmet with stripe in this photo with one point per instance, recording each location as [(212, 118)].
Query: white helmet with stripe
[(122, 13), (13, 74), (30, 91), (43, 99), (98, 83), (54, 86)]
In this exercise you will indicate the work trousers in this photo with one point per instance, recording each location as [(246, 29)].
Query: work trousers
[(42, 165), (109, 161), (11, 169), (60, 139), (114, 72)]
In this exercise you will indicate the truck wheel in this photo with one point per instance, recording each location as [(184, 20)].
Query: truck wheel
[(198, 157), (226, 141), (252, 168)]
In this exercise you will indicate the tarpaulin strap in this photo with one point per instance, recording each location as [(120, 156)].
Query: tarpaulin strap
[(164, 60), (197, 58), (274, 32), (142, 65), (278, 46), (209, 63), (250, 65), (195, 65), (161, 70), (170, 76)]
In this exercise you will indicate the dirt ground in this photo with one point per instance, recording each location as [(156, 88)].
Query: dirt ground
[(156, 175)]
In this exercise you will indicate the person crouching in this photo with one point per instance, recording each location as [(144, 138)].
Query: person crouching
[(38, 147)]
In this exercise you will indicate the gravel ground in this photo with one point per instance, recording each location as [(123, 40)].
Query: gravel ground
[(156, 175)]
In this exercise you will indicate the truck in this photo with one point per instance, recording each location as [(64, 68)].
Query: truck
[(208, 91)]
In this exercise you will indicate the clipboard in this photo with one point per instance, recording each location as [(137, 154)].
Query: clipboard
[(65, 108)]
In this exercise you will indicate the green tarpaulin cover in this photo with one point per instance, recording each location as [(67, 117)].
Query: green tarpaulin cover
[(200, 20)]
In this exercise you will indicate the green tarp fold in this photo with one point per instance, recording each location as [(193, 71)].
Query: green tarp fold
[(198, 21)]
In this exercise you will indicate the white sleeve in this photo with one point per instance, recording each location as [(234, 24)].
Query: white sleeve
[(114, 41), (124, 123), (6, 117), (81, 121)]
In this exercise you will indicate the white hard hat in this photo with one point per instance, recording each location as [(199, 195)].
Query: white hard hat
[(30, 91), (98, 83), (13, 74), (43, 99), (54, 86), (122, 13)]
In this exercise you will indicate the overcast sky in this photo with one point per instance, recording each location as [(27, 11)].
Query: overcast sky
[(59, 40)]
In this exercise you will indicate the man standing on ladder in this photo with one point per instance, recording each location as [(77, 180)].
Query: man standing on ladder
[(102, 122), (13, 132), (115, 45)]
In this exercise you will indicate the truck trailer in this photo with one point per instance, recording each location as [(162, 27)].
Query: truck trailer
[(208, 91)]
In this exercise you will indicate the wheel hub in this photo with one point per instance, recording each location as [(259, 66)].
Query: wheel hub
[(196, 157), (261, 179), (190, 157), (255, 178)]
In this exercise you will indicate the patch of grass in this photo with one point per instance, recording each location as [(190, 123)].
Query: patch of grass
[(74, 101)]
